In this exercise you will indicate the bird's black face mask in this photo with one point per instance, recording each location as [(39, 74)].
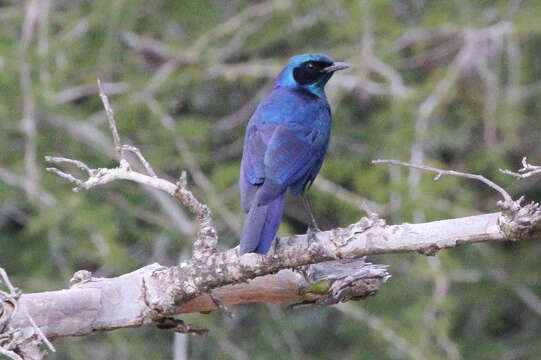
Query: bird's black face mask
[(310, 71)]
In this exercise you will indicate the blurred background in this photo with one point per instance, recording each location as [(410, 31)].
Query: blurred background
[(451, 84)]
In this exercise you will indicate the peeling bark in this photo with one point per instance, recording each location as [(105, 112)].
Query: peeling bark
[(338, 273), (101, 304)]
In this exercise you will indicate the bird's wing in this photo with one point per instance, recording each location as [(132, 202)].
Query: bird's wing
[(253, 155), (290, 156), (252, 173)]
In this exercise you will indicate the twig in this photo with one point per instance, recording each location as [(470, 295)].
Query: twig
[(439, 172), (199, 177), (12, 290), (527, 170), (40, 333), (14, 337), (97, 140), (220, 305), (207, 237), (144, 161), (81, 165), (111, 119)]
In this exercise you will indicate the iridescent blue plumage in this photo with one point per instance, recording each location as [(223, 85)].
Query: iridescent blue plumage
[(286, 141)]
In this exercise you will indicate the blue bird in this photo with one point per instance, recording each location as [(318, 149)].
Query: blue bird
[(285, 143)]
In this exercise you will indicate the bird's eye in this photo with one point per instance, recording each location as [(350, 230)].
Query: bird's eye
[(310, 66)]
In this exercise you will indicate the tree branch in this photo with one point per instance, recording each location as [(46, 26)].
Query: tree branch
[(327, 269), (150, 293), (527, 170), (506, 197), (100, 304)]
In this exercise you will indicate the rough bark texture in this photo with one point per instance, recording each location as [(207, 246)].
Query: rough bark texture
[(369, 236), (100, 304), (150, 293)]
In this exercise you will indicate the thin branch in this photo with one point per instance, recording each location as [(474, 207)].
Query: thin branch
[(199, 177), (507, 198), (527, 170), (40, 333), (141, 158), (12, 290), (220, 305), (11, 337), (98, 141), (207, 238), (81, 165), (111, 119)]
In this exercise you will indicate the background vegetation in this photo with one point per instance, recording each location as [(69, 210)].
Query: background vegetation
[(454, 84)]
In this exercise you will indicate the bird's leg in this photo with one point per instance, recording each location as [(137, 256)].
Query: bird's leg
[(313, 224)]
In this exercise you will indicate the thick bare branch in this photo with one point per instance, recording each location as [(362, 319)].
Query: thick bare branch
[(329, 268), (81, 309), (155, 291)]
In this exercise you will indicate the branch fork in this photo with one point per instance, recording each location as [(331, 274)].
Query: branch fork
[(207, 238), (331, 266)]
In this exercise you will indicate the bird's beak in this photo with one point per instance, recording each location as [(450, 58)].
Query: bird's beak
[(335, 67)]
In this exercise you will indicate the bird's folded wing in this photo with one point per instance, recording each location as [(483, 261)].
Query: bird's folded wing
[(253, 156), (290, 156), (277, 156)]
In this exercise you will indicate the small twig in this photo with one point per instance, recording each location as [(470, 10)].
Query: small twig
[(207, 238), (12, 290), (141, 158), (12, 298), (81, 165), (40, 333), (507, 198), (527, 170), (220, 305), (66, 176), (111, 119)]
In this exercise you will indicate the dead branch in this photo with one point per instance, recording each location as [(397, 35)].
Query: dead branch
[(527, 170), (82, 310), (207, 237), (329, 268), (15, 342), (506, 197)]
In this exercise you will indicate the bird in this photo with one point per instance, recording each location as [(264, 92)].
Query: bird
[(285, 142)]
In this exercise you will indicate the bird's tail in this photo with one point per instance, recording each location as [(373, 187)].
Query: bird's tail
[(261, 225)]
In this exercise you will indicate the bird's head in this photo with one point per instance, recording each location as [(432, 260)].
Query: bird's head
[(310, 72)]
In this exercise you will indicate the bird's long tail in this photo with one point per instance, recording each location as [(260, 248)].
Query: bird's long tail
[(261, 225)]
